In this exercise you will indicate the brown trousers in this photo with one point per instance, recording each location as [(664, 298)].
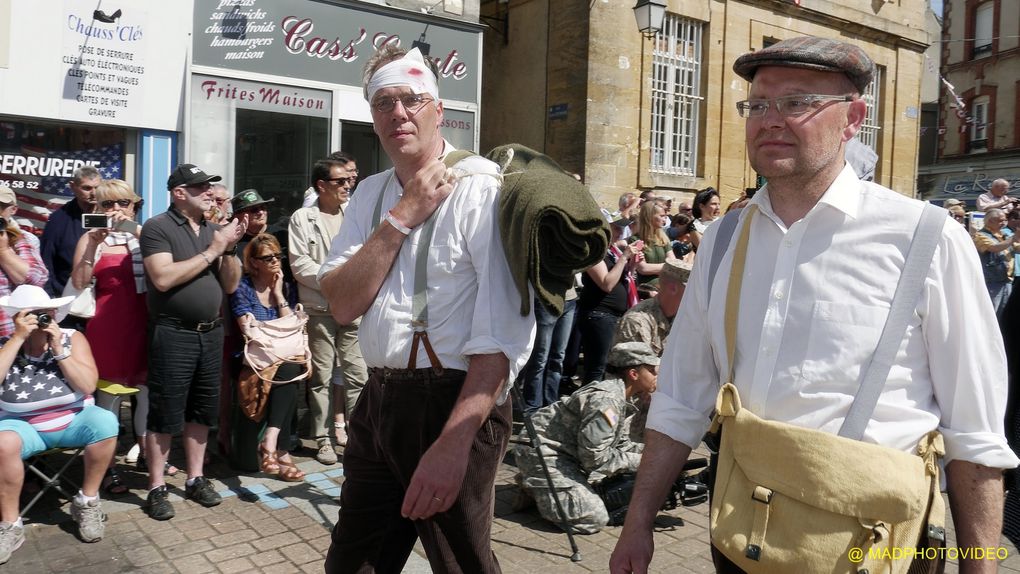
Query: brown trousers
[(399, 415)]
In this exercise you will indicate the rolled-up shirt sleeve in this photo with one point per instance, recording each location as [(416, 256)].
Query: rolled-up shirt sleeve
[(966, 355), (688, 375), (497, 325)]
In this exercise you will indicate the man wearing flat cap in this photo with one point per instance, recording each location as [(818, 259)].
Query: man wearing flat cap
[(586, 438), (820, 256), (189, 264), (419, 258)]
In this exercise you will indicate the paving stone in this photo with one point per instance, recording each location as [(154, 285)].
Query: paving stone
[(236, 537), (236, 565), (301, 553), (276, 541), (268, 557), (230, 552), (196, 564)]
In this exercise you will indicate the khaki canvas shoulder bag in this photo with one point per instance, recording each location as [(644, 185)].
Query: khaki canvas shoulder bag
[(792, 499)]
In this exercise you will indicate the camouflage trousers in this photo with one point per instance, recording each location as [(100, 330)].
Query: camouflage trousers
[(584, 509)]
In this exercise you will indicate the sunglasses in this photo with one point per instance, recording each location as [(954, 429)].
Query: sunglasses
[(107, 204), (270, 257), (342, 180)]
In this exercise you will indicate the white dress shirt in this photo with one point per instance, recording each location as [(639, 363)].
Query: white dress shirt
[(814, 299), (473, 305)]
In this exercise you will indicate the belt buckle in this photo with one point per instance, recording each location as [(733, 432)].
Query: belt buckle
[(203, 327)]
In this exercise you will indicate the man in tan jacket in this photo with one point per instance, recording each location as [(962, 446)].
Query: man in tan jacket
[(312, 230)]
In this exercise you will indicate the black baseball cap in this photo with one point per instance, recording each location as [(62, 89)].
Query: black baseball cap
[(189, 174)]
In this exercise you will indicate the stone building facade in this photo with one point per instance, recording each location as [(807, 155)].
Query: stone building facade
[(575, 79), (979, 141)]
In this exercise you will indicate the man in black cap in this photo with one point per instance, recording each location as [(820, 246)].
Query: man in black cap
[(826, 251), (186, 273)]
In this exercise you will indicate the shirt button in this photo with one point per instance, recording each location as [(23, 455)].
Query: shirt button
[(788, 243), (779, 294)]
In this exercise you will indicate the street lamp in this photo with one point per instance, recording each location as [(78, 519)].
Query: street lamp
[(649, 15)]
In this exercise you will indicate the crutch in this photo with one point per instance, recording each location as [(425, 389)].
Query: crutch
[(536, 443)]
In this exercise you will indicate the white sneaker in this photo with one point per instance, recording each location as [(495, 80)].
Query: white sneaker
[(132, 455), (11, 538), (90, 517)]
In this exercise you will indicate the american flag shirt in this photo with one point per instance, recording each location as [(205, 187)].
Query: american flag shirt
[(35, 391)]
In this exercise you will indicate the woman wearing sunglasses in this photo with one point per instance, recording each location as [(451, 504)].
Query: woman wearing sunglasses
[(111, 257), (261, 292)]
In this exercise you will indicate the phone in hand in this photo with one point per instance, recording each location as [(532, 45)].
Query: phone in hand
[(95, 221), (127, 225)]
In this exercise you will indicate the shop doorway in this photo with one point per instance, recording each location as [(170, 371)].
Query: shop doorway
[(274, 154), (359, 140)]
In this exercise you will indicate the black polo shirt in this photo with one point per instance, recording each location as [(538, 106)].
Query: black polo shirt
[(197, 300)]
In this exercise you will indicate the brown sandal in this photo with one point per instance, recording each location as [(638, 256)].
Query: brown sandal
[(269, 465), (289, 472)]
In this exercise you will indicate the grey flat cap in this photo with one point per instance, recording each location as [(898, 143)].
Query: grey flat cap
[(812, 53)]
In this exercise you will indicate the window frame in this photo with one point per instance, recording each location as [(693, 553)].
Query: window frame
[(678, 100)]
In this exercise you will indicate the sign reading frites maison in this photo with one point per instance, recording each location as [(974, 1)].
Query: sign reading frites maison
[(326, 42)]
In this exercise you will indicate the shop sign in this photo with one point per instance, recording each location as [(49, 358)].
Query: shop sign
[(326, 42), (978, 183), (104, 65), (260, 96), (41, 179)]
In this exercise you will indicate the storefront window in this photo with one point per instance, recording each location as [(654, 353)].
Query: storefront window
[(274, 155), (38, 159), (259, 135)]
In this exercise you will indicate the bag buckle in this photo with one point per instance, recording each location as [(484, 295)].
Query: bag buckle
[(762, 494)]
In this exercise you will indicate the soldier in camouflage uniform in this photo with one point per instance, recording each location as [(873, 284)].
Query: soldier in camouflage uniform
[(585, 439), (650, 320)]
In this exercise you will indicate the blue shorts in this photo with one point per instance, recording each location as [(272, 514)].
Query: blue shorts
[(91, 425)]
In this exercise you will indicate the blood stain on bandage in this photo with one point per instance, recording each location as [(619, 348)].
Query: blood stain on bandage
[(414, 72)]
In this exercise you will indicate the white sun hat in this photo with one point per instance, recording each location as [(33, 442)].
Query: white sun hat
[(32, 298)]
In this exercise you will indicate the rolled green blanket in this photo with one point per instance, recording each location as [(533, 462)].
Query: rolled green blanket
[(550, 225)]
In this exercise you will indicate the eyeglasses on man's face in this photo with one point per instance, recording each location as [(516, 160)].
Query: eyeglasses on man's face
[(270, 257), (411, 102), (107, 204), (342, 180), (787, 106)]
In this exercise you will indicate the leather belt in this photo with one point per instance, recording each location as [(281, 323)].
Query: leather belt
[(199, 326)]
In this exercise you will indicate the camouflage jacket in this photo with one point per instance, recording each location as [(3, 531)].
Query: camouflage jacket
[(592, 427), (644, 322)]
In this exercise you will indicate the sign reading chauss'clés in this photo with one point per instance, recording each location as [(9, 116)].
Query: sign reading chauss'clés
[(325, 42)]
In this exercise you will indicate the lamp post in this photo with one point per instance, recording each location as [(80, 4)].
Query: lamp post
[(649, 15)]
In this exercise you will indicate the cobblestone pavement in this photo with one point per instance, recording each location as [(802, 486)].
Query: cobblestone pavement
[(269, 526)]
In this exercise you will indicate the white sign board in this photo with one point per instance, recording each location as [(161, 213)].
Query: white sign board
[(117, 64)]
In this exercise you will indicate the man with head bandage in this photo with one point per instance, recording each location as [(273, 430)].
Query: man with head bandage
[(419, 257)]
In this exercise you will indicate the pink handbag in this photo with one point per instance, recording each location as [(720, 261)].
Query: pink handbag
[(269, 344)]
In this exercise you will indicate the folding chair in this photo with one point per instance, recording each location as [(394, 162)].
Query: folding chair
[(55, 478), (37, 464)]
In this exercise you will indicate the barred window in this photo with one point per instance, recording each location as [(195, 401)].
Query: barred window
[(869, 129), (676, 96)]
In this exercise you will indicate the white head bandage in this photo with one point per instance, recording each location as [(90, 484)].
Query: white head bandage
[(411, 70)]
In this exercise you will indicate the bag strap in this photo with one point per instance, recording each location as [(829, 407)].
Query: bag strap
[(907, 294), (733, 289), (724, 231)]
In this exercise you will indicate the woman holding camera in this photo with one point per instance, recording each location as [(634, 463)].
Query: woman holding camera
[(261, 293), (110, 256), (20, 263)]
